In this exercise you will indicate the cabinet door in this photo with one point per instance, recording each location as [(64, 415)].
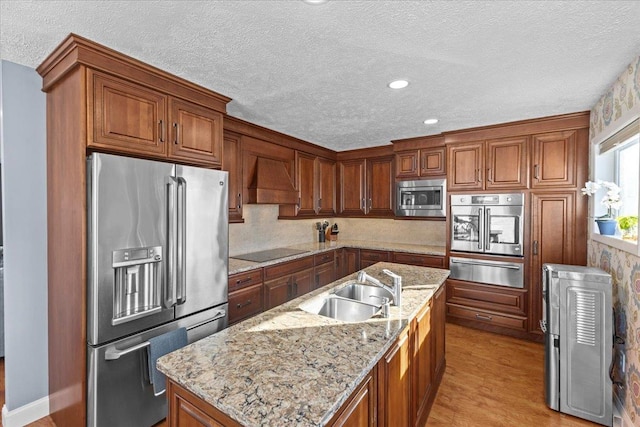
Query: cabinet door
[(326, 186), (554, 159), (245, 303), (125, 116), (277, 292), (380, 181), (302, 282), (422, 363), (418, 259), (196, 133), (360, 409), (324, 274), (432, 162), (348, 262), (232, 163), (307, 184), (369, 257), (407, 164), (438, 320), (394, 385), (507, 161), (352, 191), (465, 163), (553, 227)]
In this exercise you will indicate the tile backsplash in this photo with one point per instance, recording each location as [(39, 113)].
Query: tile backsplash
[(263, 230)]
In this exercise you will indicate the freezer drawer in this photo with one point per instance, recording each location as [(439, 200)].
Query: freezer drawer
[(119, 391)]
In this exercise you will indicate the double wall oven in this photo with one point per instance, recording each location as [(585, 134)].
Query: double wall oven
[(488, 224)]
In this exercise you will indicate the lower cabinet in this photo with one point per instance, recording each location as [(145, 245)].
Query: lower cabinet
[(369, 257), (188, 410), (394, 384), (360, 410), (286, 281), (418, 259), (348, 261), (245, 295), (325, 269), (423, 363)]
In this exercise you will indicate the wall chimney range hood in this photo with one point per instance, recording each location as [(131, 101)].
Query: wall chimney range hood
[(271, 183)]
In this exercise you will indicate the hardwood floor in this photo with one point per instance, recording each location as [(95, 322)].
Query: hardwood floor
[(493, 381), (490, 381)]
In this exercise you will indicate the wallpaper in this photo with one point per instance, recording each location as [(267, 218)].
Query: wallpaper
[(617, 107)]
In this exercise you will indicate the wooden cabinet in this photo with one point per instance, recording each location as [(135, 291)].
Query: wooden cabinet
[(394, 383), (438, 320), (131, 118), (418, 259), (245, 295), (369, 257), (188, 410), (360, 410), (558, 228), (325, 268), (366, 187), (422, 364), (554, 159), (232, 163), (486, 306), (491, 164), (348, 261), (425, 162), (316, 185), (286, 281)]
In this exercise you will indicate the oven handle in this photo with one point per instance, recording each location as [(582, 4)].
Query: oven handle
[(481, 228), (114, 354), (502, 265), (487, 229)]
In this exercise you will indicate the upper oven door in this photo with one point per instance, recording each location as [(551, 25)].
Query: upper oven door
[(504, 230), (467, 228)]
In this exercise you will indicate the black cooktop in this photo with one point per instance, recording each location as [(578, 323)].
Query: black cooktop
[(269, 254)]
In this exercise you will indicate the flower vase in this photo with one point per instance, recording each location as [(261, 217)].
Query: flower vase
[(607, 227)]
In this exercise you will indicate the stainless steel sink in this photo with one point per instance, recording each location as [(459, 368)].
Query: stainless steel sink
[(347, 310), (365, 293)]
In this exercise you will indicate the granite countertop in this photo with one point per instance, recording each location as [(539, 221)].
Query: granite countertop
[(290, 367), (239, 266)]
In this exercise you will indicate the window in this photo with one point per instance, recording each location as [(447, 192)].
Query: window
[(617, 159)]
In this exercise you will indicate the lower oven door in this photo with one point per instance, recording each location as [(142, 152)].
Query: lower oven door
[(486, 271), (119, 392)]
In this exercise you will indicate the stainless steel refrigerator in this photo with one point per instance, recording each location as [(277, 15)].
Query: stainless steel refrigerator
[(578, 326), (157, 261)]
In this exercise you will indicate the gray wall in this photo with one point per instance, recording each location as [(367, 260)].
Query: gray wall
[(23, 144)]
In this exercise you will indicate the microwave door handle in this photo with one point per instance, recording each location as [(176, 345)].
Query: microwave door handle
[(181, 285), (169, 291), (487, 233), (480, 228)]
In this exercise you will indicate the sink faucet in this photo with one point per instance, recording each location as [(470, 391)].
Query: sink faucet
[(396, 289)]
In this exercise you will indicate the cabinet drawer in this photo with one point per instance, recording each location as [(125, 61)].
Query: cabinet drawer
[(487, 317), (375, 256), (418, 259), (245, 303), (324, 257), (493, 298), (290, 267), (242, 280)]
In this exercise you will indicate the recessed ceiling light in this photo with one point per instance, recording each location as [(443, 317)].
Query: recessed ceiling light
[(315, 1), (431, 121), (398, 84)]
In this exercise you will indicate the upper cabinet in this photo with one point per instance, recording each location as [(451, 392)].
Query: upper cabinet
[(131, 118), (491, 164), (316, 184), (232, 163), (554, 159), (424, 162), (366, 186)]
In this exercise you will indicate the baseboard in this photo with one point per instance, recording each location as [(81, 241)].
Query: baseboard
[(26, 414), (620, 416)]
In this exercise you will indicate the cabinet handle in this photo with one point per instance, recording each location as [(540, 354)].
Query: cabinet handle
[(299, 202), (489, 175), (239, 200), (478, 175), (245, 280), (370, 203), (161, 124), (176, 133), (535, 247), (244, 304), (320, 203), (535, 172), (364, 204), (483, 317)]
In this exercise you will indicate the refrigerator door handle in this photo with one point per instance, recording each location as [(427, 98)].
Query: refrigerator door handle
[(115, 354), (181, 292), (169, 291)]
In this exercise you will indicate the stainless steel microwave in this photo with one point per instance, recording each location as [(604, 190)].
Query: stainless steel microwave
[(426, 197)]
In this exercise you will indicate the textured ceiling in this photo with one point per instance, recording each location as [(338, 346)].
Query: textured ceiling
[(319, 72)]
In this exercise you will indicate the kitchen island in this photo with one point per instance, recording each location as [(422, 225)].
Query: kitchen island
[(288, 366)]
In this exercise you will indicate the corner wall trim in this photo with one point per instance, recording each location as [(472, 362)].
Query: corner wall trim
[(25, 414)]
